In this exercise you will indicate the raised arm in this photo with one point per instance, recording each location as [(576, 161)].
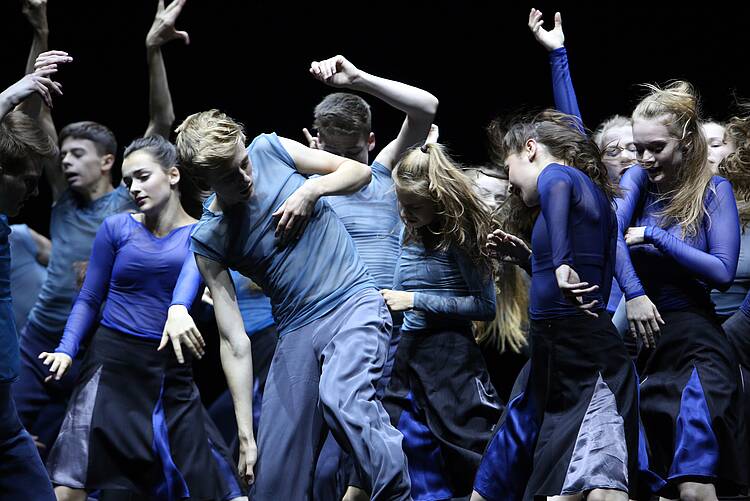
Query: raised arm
[(718, 266), (161, 112), (35, 12), (554, 42), (235, 357), (419, 105), (338, 176)]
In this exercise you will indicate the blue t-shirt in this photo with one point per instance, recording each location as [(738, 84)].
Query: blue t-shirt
[(133, 273), (307, 278), (371, 218), (72, 227), (728, 302), (26, 273), (577, 227), (9, 358), (449, 290), (255, 306), (674, 271)]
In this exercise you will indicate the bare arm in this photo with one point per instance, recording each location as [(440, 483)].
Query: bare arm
[(419, 105), (36, 13), (43, 247), (236, 359), (161, 111), (338, 176)]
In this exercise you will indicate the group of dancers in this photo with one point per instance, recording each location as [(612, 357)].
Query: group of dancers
[(352, 297)]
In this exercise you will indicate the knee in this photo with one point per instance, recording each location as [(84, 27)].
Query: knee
[(606, 495), (691, 491)]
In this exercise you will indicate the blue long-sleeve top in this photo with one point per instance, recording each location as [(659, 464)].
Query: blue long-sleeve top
[(577, 227), (676, 272), (133, 273), (562, 84), (450, 291)]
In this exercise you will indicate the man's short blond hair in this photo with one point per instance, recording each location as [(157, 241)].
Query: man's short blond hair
[(208, 140)]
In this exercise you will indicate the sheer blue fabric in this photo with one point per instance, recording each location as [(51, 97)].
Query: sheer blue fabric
[(576, 227)]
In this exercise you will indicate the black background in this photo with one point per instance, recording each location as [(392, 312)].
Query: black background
[(250, 59)]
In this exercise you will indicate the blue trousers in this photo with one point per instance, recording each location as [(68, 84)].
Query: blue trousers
[(323, 376), (22, 474)]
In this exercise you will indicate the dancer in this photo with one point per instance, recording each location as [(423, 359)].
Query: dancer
[(83, 196), (267, 222), (24, 150), (343, 124), (682, 233), (135, 421), (571, 426), (443, 282)]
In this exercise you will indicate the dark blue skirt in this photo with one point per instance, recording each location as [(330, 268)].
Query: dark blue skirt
[(571, 425), (136, 422)]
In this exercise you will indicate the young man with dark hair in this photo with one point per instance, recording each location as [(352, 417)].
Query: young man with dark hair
[(24, 149)]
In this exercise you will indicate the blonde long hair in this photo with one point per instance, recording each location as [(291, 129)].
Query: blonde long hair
[(463, 220), (677, 104), (736, 166)]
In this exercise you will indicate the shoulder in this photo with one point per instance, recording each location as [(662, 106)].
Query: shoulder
[(379, 170), (555, 175), (270, 145)]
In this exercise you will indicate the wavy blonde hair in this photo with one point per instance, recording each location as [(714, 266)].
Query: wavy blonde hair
[(736, 166), (207, 140), (463, 220), (677, 106)]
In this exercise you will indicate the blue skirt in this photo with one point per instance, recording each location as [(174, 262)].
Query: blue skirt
[(135, 422), (571, 424)]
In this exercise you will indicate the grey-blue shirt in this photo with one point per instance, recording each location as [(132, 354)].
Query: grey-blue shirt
[(73, 227), (306, 279)]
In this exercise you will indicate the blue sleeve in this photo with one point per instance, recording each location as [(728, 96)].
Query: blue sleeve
[(555, 196), (632, 184), (479, 305), (562, 85), (85, 311), (718, 266), (189, 283), (745, 306)]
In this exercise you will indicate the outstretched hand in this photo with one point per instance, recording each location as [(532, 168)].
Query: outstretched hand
[(550, 40), (507, 248), (573, 289), (40, 81), (163, 28), (294, 214), (59, 363), (336, 71)]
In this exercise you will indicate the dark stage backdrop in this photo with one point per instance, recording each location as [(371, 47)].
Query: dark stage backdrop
[(251, 59)]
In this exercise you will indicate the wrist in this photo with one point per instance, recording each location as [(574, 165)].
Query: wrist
[(177, 309), (313, 188), (361, 81)]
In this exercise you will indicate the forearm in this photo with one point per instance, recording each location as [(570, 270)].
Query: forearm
[(348, 178), (81, 320), (33, 105), (466, 307), (237, 363), (161, 111), (189, 283), (717, 271), (625, 272), (562, 84), (418, 104)]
